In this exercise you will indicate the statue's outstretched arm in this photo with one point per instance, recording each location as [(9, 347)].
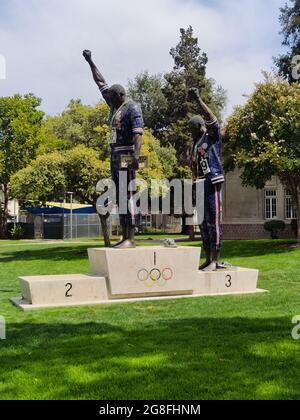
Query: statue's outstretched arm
[(99, 79), (205, 111)]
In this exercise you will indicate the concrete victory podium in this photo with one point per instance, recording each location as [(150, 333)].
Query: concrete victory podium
[(137, 274)]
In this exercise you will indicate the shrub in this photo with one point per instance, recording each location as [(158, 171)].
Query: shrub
[(274, 227), (17, 232)]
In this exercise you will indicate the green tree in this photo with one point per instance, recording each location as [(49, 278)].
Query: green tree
[(79, 169), (147, 90), (85, 125), (263, 137), (20, 122), (290, 22), (162, 160), (83, 171), (78, 124), (165, 103), (50, 176), (43, 180), (189, 71), (164, 99)]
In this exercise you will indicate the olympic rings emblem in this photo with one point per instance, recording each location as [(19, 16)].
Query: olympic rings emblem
[(155, 276)]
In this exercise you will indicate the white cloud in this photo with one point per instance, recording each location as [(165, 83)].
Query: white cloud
[(42, 41)]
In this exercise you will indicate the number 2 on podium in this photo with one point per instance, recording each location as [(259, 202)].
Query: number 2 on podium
[(69, 287)]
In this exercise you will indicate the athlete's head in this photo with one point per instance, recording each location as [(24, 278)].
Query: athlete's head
[(117, 94), (197, 126)]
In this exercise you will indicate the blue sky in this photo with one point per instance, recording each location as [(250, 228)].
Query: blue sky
[(42, 41)]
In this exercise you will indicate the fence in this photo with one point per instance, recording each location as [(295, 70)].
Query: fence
[(81, 226), (65, 226), (88, 225)]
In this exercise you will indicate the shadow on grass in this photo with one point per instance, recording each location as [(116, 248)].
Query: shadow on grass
[(230, 249), (189, 358), (55, 253)]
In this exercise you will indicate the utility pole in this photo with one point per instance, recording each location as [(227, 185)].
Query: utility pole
[(71, 213), (15, 213)]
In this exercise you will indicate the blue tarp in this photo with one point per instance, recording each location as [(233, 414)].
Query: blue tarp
[(60, 210)]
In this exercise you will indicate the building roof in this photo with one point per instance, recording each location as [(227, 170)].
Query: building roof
[(62, 208), (67, 206)]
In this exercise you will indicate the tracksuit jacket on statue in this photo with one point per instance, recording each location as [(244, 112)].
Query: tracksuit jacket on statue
[(207, 164), (125, 122)]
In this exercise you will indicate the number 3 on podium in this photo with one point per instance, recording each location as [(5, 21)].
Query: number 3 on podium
[(229, 279)]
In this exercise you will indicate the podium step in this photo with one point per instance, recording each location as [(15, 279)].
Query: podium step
[(144, 273), (62, 289), (233, 280)]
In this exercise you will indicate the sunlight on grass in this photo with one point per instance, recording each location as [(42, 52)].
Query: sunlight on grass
[(80, 375), (140, 362), (270, 390)]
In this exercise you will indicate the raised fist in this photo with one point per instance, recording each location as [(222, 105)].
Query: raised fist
[(193, 94), (87, 55)]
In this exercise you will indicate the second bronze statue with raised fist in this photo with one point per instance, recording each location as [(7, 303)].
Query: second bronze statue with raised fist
[(206, 164)]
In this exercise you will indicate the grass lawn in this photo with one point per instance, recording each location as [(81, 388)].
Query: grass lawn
[(204, 348)]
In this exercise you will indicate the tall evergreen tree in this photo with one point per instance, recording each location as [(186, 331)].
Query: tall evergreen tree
[(147, 90), (164, 99), (189, 71), (290, 22)]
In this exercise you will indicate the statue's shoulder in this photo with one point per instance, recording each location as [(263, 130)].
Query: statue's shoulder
[(134, 107), (132, 104)]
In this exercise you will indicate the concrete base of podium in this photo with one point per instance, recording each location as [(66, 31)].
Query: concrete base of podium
[(133, 275), (25, 306)]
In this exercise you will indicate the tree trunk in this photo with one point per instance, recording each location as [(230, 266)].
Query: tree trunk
[(1, 223), (185, 228), (4, 213), (192, 233), (298, 213), (105, 230), (293, 184), (188, 230)]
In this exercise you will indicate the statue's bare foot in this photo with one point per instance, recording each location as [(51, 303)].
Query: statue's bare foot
[(118, 243), (124, 236), (204, 265), (211, 267), (125, 244)]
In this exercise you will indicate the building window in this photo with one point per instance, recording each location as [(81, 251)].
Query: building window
[(270, 204), (290, 212)]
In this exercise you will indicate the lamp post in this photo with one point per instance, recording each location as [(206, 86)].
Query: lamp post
[(15, 213), (71, 212)]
